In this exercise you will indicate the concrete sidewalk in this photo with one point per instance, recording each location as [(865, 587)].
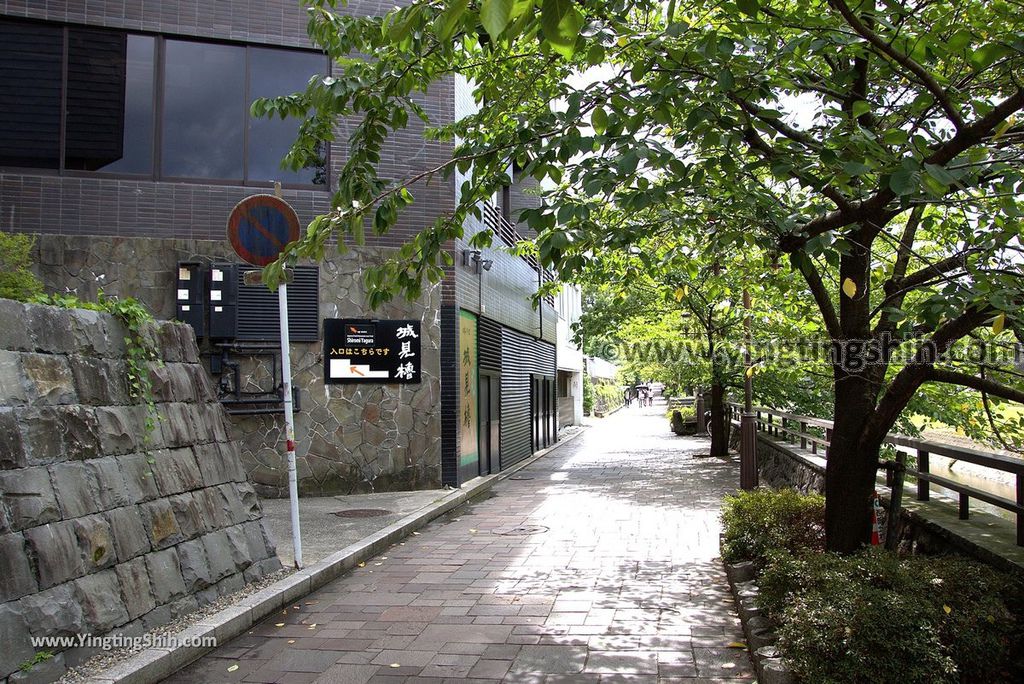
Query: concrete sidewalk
[(597, 562), (324, 532)]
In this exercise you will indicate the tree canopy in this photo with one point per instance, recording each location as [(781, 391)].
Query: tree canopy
[(872, 146)]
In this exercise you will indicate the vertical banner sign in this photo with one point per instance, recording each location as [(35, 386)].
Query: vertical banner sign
[(259, 228), (469, 425)]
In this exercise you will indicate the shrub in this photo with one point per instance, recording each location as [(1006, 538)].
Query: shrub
[(588, 395), (607, 397), (763, 522), (17, 281), (685, 412), (875, 617)]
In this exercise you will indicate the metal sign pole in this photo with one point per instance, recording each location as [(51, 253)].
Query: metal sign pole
[(289, 411), (289, 422), (259, 228)]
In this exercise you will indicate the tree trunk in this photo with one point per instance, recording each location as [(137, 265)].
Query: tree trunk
[(850, 468), (719, 434)]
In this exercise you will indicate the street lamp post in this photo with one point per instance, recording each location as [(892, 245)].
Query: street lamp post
[(748, 422)]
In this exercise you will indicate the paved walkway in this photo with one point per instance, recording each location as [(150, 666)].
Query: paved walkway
[(595, 564)]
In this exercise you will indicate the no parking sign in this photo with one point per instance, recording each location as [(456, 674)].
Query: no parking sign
[(260, 226)]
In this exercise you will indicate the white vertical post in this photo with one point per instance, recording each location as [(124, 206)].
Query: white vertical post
[(289, 422), (289, 415)]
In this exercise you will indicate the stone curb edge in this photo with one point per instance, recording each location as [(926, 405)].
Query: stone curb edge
[(154, 664), (757, 629)]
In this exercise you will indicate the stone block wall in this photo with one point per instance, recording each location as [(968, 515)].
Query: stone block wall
[(106, 527), (921, 528), (350, 438)]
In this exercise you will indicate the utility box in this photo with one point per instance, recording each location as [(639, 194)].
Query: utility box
[(222, 283), (189, 296)]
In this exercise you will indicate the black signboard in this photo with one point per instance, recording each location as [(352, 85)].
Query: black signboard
[(364, 350)]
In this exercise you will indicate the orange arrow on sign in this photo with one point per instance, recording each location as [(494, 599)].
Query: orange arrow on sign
[(355, 371)]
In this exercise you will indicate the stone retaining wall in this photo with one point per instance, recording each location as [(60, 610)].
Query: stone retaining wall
[(105, 528), (919, 530), (351, 438)]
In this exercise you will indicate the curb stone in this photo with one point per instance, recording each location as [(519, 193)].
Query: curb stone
[(155, 664), (758, 630)]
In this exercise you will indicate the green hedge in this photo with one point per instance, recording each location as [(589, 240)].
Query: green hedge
[(17, 281), (762, 522), (608, 397), (873, 616), (588, 395)]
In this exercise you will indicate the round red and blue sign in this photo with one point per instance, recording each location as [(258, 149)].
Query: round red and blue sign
[(260, 226)]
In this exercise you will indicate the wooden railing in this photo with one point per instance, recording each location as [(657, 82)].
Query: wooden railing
[(794, 428)]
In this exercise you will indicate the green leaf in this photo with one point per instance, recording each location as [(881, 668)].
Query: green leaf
[(726, 81), (987, 55), (748, 7), (895, 136), (448, 21), (940, 174), (906, 179), (560, 23), (853, 168), (495, 16), (860, 108), (599, 120)]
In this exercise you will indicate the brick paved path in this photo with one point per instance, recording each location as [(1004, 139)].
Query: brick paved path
[(595, 564)]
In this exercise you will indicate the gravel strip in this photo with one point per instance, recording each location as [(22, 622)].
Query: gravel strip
[(99, 663)]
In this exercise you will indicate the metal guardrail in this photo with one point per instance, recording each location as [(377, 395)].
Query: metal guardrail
[(793, 428), (507, 233)]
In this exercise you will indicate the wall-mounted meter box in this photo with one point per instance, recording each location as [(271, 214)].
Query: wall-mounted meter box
[(189, 291), (222, 282)]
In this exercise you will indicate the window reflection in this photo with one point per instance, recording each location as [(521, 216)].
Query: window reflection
[(204, 110), (110, 102), (30, 92), (105, 80), (274, 73)]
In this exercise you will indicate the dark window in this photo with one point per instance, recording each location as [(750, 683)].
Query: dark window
[(204, 110), (105, 82), (273, 73), (31, 56), (109, 102)]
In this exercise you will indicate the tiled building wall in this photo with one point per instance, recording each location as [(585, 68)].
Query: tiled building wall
[(45, 202), (503, 293)]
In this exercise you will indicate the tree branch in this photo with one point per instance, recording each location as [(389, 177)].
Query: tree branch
[(992, 387), (903, 60), (821, 296), (874, 206), (901, 390)]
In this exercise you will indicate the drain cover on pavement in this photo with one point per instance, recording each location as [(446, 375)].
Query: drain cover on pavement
[(362, 513), (522, 530)]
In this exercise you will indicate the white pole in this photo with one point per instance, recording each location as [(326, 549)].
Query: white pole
[(289, 422)]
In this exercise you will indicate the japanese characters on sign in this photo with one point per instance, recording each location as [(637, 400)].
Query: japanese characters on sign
[(379, 351)]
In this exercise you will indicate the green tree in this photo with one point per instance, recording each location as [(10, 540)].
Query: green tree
[(873, 144)]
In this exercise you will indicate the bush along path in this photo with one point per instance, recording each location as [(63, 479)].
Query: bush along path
[(873, 616)]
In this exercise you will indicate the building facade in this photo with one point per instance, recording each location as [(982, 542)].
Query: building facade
[(125, 142), (569, 304)]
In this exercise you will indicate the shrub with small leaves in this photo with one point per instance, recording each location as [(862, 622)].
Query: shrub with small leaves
[(763, 522), (17, 281), (140, 348), (876, 617)]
